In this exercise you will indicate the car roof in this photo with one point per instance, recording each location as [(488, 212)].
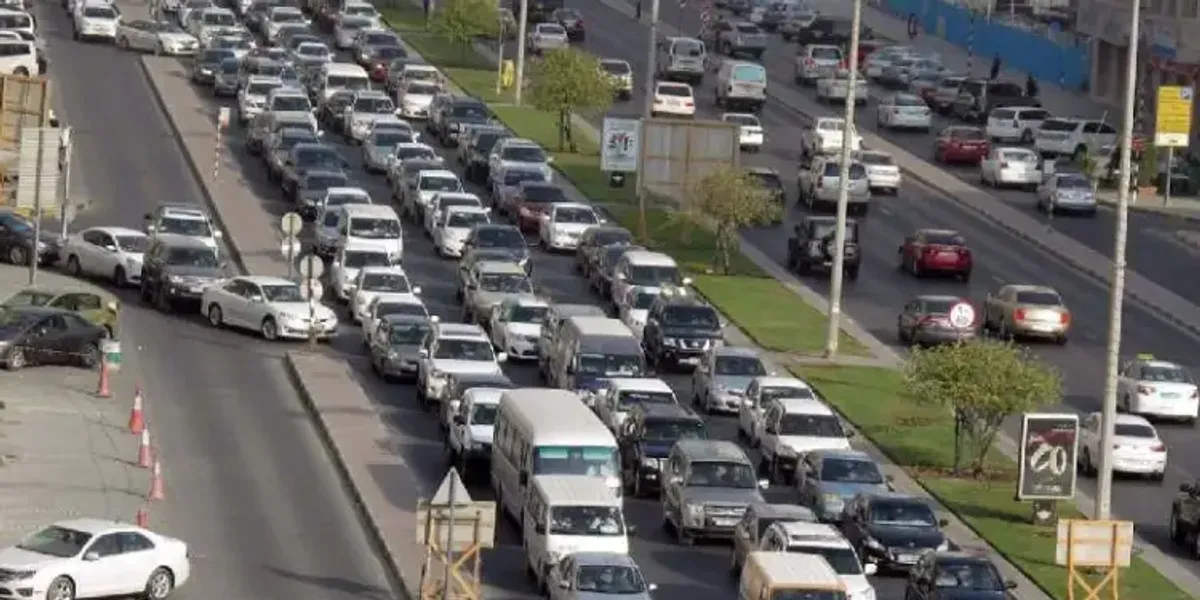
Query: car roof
[(496, 266), (94, 526), (842, 454), (939, 298), (604, 559), (460, 330), (769, 510), (176, 240), (649, 258), (117, 231), (440, 173), (347, 190), (711, 450), (1128, 419), (780, 381), (265, 280), (804, 406), (572, 205), (641, 384)]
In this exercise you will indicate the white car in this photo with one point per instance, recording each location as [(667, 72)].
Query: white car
[(442, 202), (367, 106), (903, 111), (455, 225), (356, 9), (390, 283), (751, 135), (545, 37), (621, 394), (212, 23), (351, 259), (454, 348), (347, 29), (515, 325), (160, 37), (378, 146), (83, 558), (883, 174), (291, 102), (518, 153), (884, 57), (384, 305), (836, 87), (1157, 388), (96, 20), (414, 98), (1072, 137), (1067, 193), (719, 382), (182, 220), (824, 136), (429, 184), (252, 98), (472, 428), (185, 10), (563, 226), (1015, 123), (793, 427), (815, 61), (279, 16), (272, 306), (1137, 448), (108, 252), (310, 55), (761, 392), (675, 99), (634, 307), (1006, 166)]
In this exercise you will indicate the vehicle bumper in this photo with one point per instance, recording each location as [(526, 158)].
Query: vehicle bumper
[(562, 242), (684, 74), (963, 157), (1053, 147), (895, 560), (943, 336), (1040, 330), (249, 113), (521, 349), (577, 34), (677, 111), (884, 182), (414, 112), (401, 367), (725, 403), (1015, 177), (751, 141), (224, 89), (683, 356), (1166, 409), (453, 250), (1063, 206), (1139, 465), (300, 331), (182, 294)]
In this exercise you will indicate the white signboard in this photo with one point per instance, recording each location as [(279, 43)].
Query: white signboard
[(622, 143), (962, 315), (1083, 543)]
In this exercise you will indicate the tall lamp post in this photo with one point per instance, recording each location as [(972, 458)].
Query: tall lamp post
[(648, 108)]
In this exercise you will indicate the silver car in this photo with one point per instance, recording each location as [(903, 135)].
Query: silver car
[(545, 37), (379, 147), (396, 347), (1068, 193), (347, 29), (719, 383), (598, 576), (225, 78), (489, 283)]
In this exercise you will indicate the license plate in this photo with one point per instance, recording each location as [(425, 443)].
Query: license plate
[(725, 522), (906, 558), (196, 289), (1046, 327), (1169, 395), (691, 360)]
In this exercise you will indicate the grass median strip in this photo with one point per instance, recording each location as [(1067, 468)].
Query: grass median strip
[(920, 439)]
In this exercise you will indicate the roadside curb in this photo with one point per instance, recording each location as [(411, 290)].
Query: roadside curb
[(369, 524), (1190, 216)]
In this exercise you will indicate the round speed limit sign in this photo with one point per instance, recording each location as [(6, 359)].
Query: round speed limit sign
[(962, 315)]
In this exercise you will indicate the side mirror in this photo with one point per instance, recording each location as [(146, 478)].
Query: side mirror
[(652, 587), (549, 159), (218, 234), (110, 248), (257, 299), (630, 529), (147, 217), (91, 556), (564, 584), (502, 357), (870, 569), (764, 484), (1010, 585), (943, 522)]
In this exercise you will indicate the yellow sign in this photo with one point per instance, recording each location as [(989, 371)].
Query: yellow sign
[(507, 74), (1173, 125)]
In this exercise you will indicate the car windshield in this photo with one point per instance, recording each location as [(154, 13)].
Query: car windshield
[(439, 184), (692, 48), (313, 50), (876, 159), (374, 105), (357, 259), (1074, 182), (1135, 430), (905, 101), (739, 119), (669, 430), (654, 276), (190, 227), (484, 414), (411, 152), (523, 153), (542, 194), (644, 300), (528, 314), (945, 238), (843, 559), (586, 520), (831, 125), (132, 243), (1039, 298), (319, 157), (911, 514), (469, 111), (290, 104), (609, 580), (393, 283), (380, 38), (811, 425), (1164, 374), (414, 309), (968, 575), (499, 237), (1021, 156), (321, 183), (741, 366), (193, 257), (56, 541), (549, 29), (614, 67), (421, 88), (575, 460), (355, 24), (25, 298), (627, 399), (408, 334), (825, 54), (507, 283), (213, 57), (782, 391), (676, 90), (850, 470), (464, 349), (857, 171), (101, 12), (698, 317), (261, 88), (722, 474), (230, 66), (579, 216), (939, 306), (750, 73), (610, 365), (377, 229), (827, 229), (513, 178), (466, 220), (282, 293), (360, 9), (970, 134)]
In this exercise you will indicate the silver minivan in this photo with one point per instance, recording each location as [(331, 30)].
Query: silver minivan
[(741, 85)]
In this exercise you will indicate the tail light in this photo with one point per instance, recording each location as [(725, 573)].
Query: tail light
[(1064, 318), (1145, 390), (808, 62), (1019, 314), (1159, 448), (689, 104)]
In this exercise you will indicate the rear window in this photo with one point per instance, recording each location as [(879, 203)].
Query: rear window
[(945, 238), (681, 91), (687, 48), (750, 73), (1040, 298), (857, 171), (543, 193), (1059, 125), (966, 133), (909, 101), (1004, 114), (825, 53), (1135, 430), (876, 158)]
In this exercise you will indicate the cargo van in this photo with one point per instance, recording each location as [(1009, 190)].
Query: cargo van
[(741, 85), (590, 349), (339, 76), (785, 576), (565, 514)]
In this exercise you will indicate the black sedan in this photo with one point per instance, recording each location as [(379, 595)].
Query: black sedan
[(17, 241), (891, 529), (44, 336), (956, 576)]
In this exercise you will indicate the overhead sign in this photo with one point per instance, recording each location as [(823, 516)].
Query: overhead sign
[(1173, 117), (1049, 444), (622, 143)]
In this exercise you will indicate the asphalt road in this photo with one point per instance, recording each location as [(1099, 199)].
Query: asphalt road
[(249, 485)]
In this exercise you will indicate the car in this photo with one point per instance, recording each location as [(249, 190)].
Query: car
[(107, 252), (758, 519), (411, 72), (751, 135), (159, 37), (1137, 447), (348, 261), (634, 307), (817, 183), (719, 382), (815, 61), (793, 427), (207, 63), (941, 97), (471, 429), (903, 111), (310, 55), (184, 220), (272, 306), (426, 186), (385, 305), (936, 252), (927, 320), (96, 306), (209, 23), (381, 60), (278, 147), (453, 349), (1184, 526), (545, 37), (1029, 311), (594, 240), (601, 279), (674, 99), (709, 486), (176, 269), (225, 77), (589, 575), (1005, 166), (892, 530), (441, 204), (827, 479), (368, 105), (347, 29), (518, 153), (532, 201), (760, 393), (1157, 388), (825, 541), (1072, 137), (621, 395), (564, 224), (621, 74), (252, 98), (824, 136), (902, 72), (68, 550), (453, 227), (961, 144), (384, 283), (1067, 192), (955, 574), (396, 344), (495, 241), (414, 98), (368, 39), (489, 283), (1015, 123), (44, 335), (95, 20), (836, 86), (572, 21), (515, 324), (680, 329), (883, 174), (278, 18), (412, 151), (812, 246), (379, 148), (645, 439), (241, 45)]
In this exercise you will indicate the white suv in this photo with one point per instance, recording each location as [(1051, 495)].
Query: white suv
[(96, 20), (1014, 123), (675, 99), (817, 61), (454, 349), (1073, 137), (182, 220)]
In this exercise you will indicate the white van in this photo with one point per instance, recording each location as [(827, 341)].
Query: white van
[(565, 514), (542, 431), (366, 226), (340, 76), (741, 84)]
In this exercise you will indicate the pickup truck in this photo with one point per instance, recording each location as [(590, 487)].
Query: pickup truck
[(740, 38), (824, 136), (977, 97)]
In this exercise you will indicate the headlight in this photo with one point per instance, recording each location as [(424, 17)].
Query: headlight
[(22, 574), (436, 374), (174, 279), (393, 355), (668, 342), (694, 511), (832, 499), (650, 463)]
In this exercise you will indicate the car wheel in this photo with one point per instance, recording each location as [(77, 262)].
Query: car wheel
[(161, 302), (90, 357), (73, 268), (216, 317), (22, 71), (1089, 469), (17, 255), (1173, 528), (120, 279), (16, 359), (62, 588)]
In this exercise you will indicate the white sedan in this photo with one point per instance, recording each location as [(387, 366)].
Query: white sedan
[(675, 99), (272, 306), (379, 282), (109, 252), (454, 225), (837, 86), (1007, 166), (751, 135), (515, 325), (564, 226), (159, 37), (1137, 448), (903, 111), (89, 558), (384, 305), (1158, 388)]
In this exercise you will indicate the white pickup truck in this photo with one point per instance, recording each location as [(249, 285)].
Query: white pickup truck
[(824, 136)]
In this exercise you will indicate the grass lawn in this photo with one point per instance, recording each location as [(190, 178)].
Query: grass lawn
[(920, 439)]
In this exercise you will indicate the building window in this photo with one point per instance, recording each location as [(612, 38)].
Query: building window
[(1191, 9)]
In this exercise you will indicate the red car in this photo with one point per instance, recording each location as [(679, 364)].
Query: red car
[(533, 200), (961, 144), (382, 58), (866, 48), (936, 251)]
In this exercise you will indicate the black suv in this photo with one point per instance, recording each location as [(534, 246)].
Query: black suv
[(827, 30), (645, 439), (680, 329), (176, 269), (811, 247)]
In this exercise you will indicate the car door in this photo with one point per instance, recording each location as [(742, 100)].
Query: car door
[(95, 252), (988, 164), (134, 563), (672, 482), (768, 437), (254, 304), (93, 308), (231, 298)]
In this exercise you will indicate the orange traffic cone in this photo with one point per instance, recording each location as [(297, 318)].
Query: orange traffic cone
[(102, 390), (156, 492), (136, 421), (143, 517), (144, 454)]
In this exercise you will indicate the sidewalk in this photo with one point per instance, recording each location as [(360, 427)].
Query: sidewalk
[(1183, 207)]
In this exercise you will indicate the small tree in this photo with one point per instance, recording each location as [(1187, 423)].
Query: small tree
[(567, 82), (983, 382), (730, 200), (462, 21)]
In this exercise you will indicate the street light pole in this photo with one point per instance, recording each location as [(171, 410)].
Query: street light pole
[(648, 108), (521, 31), (1117, 293), (843, 198)]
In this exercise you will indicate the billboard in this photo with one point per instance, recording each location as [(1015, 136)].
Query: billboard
[(675, 152), (1049, 446)]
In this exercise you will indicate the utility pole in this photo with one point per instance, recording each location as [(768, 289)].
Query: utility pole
[(521, 32), (35, 250), (1117, 297), (648, 108), (839, 236), (64, 166)]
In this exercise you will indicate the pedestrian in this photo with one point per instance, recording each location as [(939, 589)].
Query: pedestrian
[(1031, 86), (996, 67)]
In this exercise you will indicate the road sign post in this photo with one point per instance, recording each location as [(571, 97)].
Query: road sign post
[(1046, 470), (1173, 126), (454, 529), (311, 268), (290, 225)]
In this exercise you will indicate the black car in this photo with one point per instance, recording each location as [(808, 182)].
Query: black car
[(459, 114), (891, 529), (176, 269), (206, 64), (956, 576), (17, 241), (572, 21), (540, 11), (645, 439), (501, 239), (680, 328), (333, 108), (593, 240), (826, 30), (476, 151), (811, 247), (44, 336)]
